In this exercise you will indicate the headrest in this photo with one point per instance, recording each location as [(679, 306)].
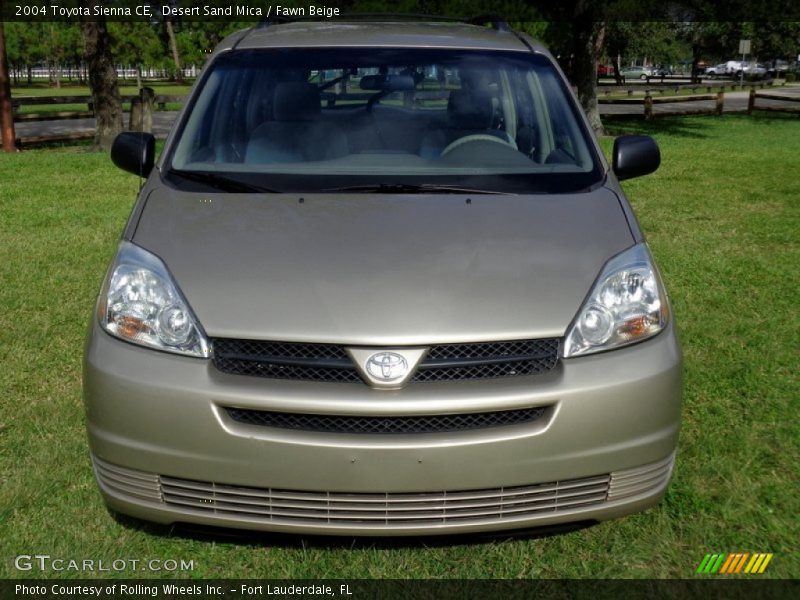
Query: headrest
[(296, 101), (470, 109)]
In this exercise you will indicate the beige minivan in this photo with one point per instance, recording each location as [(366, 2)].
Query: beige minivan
[(382, 281)]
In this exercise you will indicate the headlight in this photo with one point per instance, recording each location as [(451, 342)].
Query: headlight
[(626, 305), (140, 303)]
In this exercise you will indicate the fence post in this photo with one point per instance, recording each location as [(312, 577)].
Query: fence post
[(648, 107), (751, 101), (135, 122), (720, 102), (148, 97)]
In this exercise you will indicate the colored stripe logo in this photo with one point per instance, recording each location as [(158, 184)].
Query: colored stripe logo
[(734, 562)]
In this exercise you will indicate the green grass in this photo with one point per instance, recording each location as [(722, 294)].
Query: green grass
[(44, 109), (722, 216), (126, 88)]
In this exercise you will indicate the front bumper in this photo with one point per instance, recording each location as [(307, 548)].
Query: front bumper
[(166, 451)]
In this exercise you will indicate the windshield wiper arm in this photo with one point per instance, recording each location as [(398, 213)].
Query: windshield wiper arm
[(222, 182), (412, 188)]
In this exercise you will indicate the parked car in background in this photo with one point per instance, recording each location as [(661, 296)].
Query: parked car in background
[(734, 67), (716, 71), (636, 72), (755, 71), (605, 70), (777, 68)]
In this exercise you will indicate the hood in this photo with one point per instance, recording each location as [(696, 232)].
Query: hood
[(383, 269)]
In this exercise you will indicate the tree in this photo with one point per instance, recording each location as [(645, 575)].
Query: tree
[(58, 41), (102, 82), (173, 46), (6, 117), (25, 46), (135, 44)]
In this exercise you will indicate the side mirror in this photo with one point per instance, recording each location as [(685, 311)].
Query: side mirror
[(634, 156), (134, 152)]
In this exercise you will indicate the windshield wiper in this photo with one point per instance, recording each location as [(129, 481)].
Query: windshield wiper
[(412, 188), (222, 182)]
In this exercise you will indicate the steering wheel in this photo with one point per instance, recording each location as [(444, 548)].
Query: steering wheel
[(476, 137)]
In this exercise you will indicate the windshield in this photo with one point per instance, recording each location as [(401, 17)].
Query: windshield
[(374, 119)]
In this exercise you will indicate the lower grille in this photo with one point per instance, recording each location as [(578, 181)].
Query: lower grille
[(331, 363), (631, 482), (127, 482), (385, 425), (387, 511), (388, 508)]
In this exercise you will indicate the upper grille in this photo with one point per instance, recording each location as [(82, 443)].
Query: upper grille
[(284, 360), (383, 425), (330, 362), (487, 360)]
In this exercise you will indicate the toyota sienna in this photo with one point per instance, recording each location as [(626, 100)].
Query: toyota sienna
[(382, 281)]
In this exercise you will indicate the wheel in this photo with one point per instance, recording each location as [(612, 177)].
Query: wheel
[(642, 76)]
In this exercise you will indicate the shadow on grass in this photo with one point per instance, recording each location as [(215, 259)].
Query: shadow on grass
[(687, 127), (695, 127), (260, 539), (764, 116)]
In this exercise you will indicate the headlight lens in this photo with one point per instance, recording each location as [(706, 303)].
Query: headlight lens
[(140, 303), (627, 304)]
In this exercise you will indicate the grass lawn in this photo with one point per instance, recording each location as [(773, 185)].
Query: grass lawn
[(126, 88), (723, 218)]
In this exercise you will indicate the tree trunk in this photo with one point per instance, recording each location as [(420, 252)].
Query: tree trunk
[(102, 82), (617, 69), (173, 46), (587, 45), (8, 138)]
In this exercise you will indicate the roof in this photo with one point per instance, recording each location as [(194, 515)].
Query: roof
[(404, 34)]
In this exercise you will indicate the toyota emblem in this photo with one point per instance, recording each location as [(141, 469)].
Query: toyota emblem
[(387, 366)]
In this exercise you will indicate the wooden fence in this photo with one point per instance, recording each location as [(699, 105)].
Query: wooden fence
[(648, 102), (793, 106), (709, 87), (16, 103)]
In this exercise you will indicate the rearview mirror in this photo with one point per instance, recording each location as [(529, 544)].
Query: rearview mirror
[(134, 152), (634, 156)]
